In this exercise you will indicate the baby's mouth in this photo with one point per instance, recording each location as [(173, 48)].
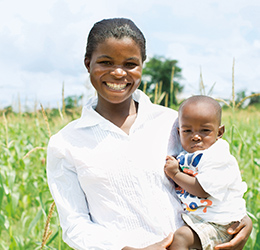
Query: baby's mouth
[(116, 86), (197, 145)]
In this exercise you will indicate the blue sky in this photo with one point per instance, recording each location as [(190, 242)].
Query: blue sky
[(42, 44)]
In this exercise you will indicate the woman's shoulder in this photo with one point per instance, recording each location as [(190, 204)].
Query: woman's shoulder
[(169, 113), (63, 134)]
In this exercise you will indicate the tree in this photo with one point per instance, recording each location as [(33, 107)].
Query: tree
[(240, 96), (71, 105), (159, 69), (255, 99), (72, 101)]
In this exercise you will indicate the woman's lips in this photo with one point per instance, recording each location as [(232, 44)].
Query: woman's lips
[(116, 86)]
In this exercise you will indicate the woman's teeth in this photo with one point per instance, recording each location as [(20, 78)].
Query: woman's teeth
[(116, 86)]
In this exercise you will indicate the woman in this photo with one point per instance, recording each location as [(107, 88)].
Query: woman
[(105, 170)]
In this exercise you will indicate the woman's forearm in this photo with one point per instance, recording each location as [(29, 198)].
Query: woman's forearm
[(161, 245)]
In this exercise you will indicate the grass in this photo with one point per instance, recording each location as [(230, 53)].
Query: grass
[(243, 133), (25, 200)]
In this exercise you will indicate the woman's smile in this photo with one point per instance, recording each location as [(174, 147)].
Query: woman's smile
[(117, 86)]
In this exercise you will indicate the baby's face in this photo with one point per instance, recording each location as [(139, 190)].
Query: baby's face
[(198, 127)]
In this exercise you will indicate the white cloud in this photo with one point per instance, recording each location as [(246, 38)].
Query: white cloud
[(42, 43), (209, 36), (257, 44)]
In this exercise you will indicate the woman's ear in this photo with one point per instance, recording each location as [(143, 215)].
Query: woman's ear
[(87, 63), (221, 131)]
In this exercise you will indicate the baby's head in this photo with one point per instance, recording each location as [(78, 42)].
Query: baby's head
[(199, 123)]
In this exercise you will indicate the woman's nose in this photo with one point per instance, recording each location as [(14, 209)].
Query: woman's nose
[(118, 72), (196, 137)]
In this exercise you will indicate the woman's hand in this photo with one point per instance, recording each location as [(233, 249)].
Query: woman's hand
[(162, 245), (241, 231)]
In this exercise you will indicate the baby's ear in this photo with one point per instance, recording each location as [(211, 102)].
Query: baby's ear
[(178, 129), (221, 131)]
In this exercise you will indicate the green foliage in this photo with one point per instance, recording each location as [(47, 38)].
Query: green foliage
[(240, 96), (255, 99), (243, 133), (72, 101), (24, 194), (159, 69)]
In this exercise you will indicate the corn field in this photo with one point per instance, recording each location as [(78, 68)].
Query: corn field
[(25, 200)]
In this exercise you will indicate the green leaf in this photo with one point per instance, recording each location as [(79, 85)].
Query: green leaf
[(15, 200), (34, 221), (4, 222)]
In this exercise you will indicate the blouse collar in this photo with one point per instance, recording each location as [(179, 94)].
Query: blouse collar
[(90, 117)]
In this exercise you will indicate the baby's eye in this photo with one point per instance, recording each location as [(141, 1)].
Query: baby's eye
[(186, 131), (205, 130)]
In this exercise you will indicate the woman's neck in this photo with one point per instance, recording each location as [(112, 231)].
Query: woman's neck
[(122, 115)]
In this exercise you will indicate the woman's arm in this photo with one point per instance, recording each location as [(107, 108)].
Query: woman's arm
[(79, 232), (241, 231), (162, 245)]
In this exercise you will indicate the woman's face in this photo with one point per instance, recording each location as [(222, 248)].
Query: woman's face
[(115, 69)]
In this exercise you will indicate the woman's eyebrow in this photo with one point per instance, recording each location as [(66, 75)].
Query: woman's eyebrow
[(104, 56), (133, 58)]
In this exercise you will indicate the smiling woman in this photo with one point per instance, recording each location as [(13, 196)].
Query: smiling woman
[(115, 74)]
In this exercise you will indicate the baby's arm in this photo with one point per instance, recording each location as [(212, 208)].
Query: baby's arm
[(187, 182)]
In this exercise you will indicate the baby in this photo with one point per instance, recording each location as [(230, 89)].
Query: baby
[(207, 177)]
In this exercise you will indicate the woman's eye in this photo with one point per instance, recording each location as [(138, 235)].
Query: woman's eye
[(105, 63), (130, 65)]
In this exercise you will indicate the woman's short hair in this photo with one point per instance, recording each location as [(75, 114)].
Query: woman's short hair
[(117, 28)]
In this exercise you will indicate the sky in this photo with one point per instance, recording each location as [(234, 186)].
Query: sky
[(42, 44)]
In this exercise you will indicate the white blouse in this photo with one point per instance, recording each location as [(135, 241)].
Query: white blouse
[(109, 187)]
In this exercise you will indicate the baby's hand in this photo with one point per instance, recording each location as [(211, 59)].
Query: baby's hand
[(172, 161), (168, 157), (171, 167)]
